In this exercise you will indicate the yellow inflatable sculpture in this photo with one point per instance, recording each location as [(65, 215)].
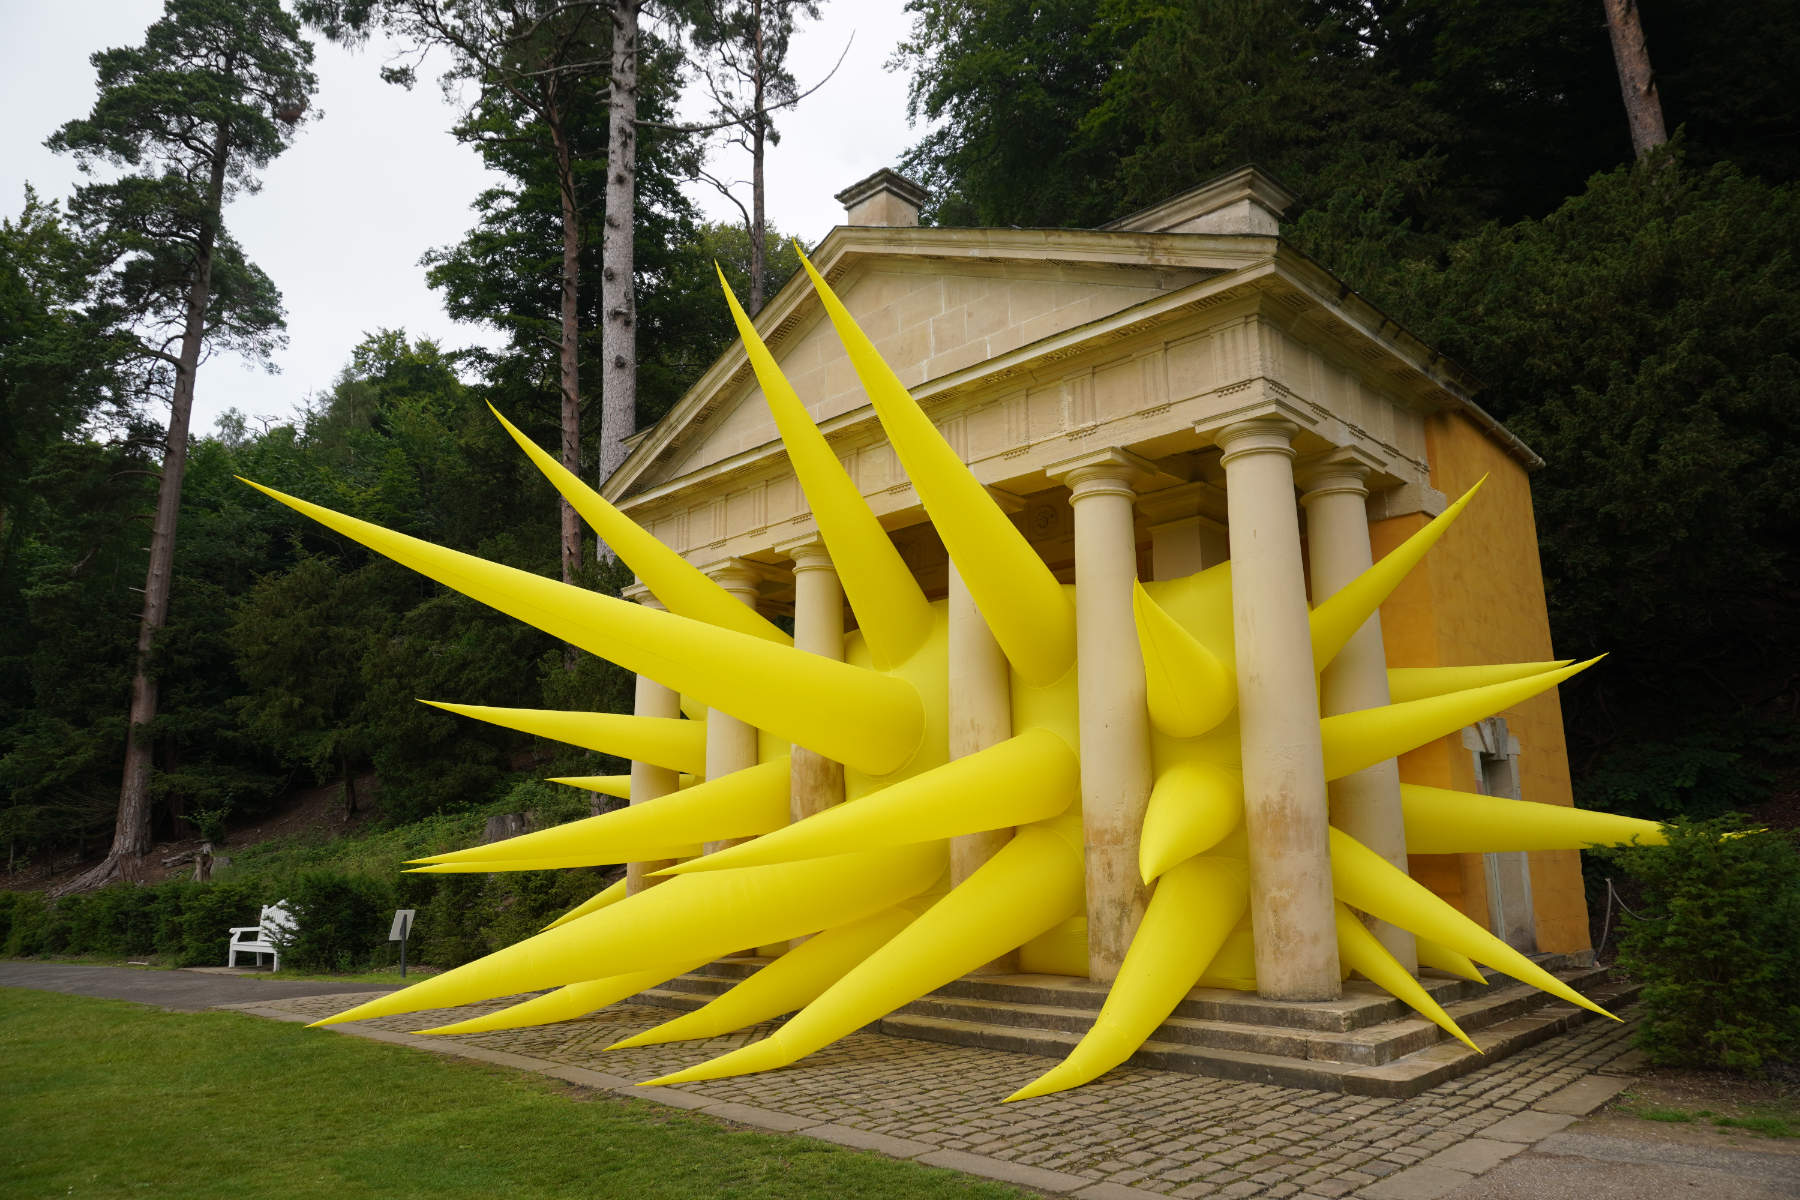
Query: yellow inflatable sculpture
[(894, 928)]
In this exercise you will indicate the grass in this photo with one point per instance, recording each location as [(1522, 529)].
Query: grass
[(155, 962), (1769, 1118), (101, 1098)]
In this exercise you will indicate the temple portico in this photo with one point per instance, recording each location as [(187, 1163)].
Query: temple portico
[(1145, 401)]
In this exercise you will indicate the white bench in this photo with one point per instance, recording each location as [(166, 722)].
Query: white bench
[(276, 924)]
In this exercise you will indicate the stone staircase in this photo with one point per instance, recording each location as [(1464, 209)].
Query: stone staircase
[(1367, 1043)]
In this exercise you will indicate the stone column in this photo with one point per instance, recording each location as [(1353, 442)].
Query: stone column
[(980, 716), (1285, 813), (1115, 721), (649, 781), (730, 743), (815, 782), (980, 710), (1365, 805)]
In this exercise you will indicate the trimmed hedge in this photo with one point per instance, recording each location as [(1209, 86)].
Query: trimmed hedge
[(341, 917), (1717, 946)]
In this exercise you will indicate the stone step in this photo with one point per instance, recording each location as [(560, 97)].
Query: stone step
[(1362, 1004), (1398, 1056), (1439, 1059), (1368, 1046), (1448, 1059)]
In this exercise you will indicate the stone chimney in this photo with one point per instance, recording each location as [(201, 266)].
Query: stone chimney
[(1246, 201), (884, 198)]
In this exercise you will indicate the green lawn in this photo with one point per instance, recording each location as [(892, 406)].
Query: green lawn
[(1773, 1118), (102, 1098)]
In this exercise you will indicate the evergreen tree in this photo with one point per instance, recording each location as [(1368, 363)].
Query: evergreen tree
[(533, 66), (209, 99)]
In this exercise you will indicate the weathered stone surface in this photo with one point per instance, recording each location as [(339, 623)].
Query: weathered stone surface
[(1416, 1183), (862, 1139), (1527, 1127), (1584, 1095), (1137, 1130), (1474, 1155), (1004, 1170)]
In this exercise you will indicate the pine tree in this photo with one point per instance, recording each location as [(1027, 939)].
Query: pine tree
[(209, 99)]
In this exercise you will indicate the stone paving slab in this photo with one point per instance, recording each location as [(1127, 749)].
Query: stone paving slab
[(1473, 1156), (1528, 1127), (1584, 1095), (1134, 1134)]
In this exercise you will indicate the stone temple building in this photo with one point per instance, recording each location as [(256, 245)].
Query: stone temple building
[(1145, 399)]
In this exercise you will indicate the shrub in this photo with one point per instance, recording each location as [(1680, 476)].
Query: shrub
[(114, 920), (340, 921), (193, 919), (1717, 947), (23, 918)]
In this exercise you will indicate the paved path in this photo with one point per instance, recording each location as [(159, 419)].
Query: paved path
[(1619, 1158), (186, 991), (1132, 1135), (1511, 1131)]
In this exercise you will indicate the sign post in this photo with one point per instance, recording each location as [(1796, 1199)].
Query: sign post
[(403, 919)]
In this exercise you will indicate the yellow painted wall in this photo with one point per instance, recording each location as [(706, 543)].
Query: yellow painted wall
[(1478, 597)]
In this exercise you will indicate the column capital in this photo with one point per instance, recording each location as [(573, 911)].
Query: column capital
[(738, 576), (807, 554), (1256, 435), (638, 593), (1113, 471), (1343, 469)]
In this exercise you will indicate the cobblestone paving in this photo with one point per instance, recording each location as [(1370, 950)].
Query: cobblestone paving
[(1156, 1131)]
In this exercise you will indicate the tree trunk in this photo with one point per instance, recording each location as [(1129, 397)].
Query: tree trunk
[(1643, 107), (571, 361), (349, 786), (618, 339), (131, 833), (759, 127)]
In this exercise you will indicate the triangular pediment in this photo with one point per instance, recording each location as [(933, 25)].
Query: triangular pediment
[(935, 303)]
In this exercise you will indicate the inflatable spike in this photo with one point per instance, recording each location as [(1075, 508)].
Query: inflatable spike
[(1355, 740), (663, 741), (695, 917), (891, 611), (566, 862), (682, 587), (1018, 596), (1193, 807), (1189, 689), (1336, 620), (1193, 910), (789, 982), (742, 804), (604, 898), (1031, 777), (1445, 959), (1359, 950), (1418, 683), (1031, 883), (1365, 880), (618, 786), (867, 720), (1234, 966), (1441, 821), (565, 1003)]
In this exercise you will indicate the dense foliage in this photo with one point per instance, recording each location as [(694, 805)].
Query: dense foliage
[(342, 891), (1717, 945), (1467, 167)]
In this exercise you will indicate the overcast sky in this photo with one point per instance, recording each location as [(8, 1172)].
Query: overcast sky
[(345, 214)]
